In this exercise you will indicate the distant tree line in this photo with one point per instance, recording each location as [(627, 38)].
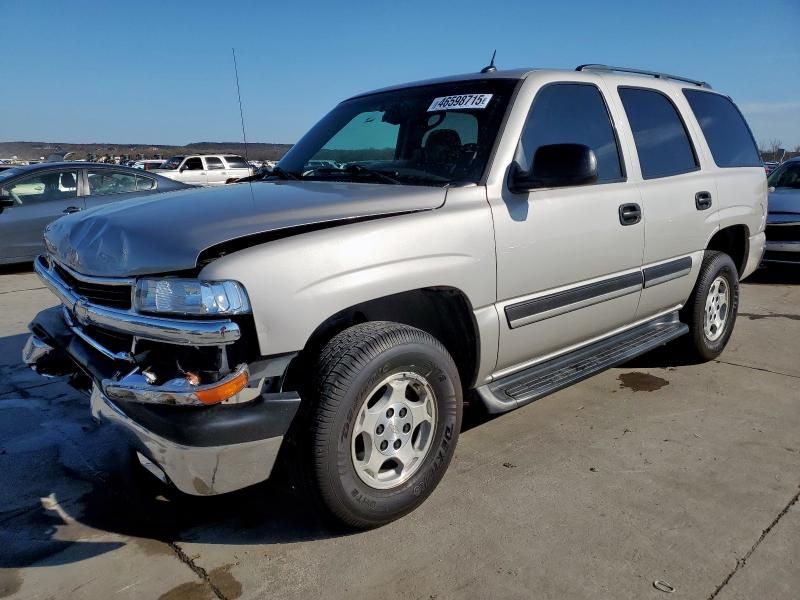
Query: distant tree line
[(773, 151)]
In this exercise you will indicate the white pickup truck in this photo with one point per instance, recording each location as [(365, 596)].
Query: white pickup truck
[(205, 169)]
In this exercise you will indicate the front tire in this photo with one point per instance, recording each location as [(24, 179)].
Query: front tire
[(385, 423), (712, 307)]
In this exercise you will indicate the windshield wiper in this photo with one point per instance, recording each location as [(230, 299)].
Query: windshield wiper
[(283, 174), (358, 170)]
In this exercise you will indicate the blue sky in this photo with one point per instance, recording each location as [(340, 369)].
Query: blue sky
[(161, 72)]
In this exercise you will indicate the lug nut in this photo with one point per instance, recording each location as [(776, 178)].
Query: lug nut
[(390, 413), (402, 412), (384, 445), (379, 429), (397, 444), (406, 428)]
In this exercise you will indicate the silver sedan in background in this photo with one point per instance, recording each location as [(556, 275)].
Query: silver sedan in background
[(31, 196)]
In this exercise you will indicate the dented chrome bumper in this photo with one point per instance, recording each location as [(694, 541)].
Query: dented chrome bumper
[(202, 450), (196, 470)]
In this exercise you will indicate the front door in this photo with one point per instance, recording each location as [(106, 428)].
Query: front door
[(39, 198), (568, 269)]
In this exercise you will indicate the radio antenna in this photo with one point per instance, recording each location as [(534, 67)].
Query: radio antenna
[(241, 112), (490, 68)]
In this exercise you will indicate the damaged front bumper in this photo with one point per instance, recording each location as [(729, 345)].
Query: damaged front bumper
[(202, 450)]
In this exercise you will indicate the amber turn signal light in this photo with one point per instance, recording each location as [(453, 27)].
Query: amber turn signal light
[(216, 394)]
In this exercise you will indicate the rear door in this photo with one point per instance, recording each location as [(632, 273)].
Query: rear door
[(41, 198), (678, 197), (217, 171)]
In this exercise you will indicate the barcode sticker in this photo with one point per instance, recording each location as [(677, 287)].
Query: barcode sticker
[(462, 102)]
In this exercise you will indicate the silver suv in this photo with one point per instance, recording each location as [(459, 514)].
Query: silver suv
[(501, 234)]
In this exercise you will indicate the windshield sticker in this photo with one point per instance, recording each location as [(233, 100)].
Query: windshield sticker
[(462, 102)]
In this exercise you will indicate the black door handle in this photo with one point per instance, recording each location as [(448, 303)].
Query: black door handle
[(71, 209), (702, 200), (630, 214)]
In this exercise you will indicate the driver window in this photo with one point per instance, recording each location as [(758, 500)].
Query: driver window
[(44, 187), (572, 113), (193, 164)]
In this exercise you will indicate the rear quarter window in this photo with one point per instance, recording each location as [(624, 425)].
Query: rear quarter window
[(236, 162), (724, 128)]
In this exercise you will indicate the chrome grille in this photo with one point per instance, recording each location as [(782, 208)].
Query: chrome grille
[(114, 296)]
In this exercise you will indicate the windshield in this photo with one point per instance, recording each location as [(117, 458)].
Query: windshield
[(428, 135), (786, 176), (173, 163)]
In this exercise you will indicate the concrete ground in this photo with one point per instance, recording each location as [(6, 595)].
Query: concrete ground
[(688, 474)]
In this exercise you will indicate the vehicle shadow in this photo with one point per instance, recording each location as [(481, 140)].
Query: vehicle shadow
[(776, 274), (72, 489), (16, 268)]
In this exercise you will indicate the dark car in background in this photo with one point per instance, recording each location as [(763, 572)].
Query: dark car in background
[(32, 196), (783, 218)]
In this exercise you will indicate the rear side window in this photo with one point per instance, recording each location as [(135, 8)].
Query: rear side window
[(661, 140), (214, 163), (103, 182), (145, 184), (726, 131), (236, 162), (572, 113)]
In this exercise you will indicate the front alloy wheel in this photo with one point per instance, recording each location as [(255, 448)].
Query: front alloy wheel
[(394, 430), (385, 421)]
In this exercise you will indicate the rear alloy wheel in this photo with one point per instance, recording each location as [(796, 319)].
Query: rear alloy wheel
[(711, 310), (385, 422)]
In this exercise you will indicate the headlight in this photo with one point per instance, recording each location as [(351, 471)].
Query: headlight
[(191, 297)]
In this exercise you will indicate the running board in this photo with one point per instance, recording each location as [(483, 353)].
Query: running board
[(525, 386)]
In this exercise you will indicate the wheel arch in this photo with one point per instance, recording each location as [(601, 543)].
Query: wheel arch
[(734, 241), (443, 311)]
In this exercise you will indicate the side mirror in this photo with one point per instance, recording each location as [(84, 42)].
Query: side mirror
[(6, 202), (557, 165), (182, 169)]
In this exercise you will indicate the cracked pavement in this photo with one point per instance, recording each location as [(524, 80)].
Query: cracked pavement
[(688, 474)]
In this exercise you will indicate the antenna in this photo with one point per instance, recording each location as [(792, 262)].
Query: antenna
[(241, 113), (490, 68)]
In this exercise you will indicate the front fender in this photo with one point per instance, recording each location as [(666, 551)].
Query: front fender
[(296, 283)]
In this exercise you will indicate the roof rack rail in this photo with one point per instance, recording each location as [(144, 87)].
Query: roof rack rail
[(656, 74)]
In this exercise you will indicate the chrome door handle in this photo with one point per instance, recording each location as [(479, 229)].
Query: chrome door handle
[(702, 200), (71, 209), (630, 214)]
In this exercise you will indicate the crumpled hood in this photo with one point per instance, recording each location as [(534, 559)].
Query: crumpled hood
[(784, 200), (167, 232)]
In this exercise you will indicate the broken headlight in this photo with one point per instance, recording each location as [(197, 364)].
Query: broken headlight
[(190, 297)]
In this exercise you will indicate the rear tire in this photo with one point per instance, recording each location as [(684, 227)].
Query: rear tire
[(711, 310), (385, 421)]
